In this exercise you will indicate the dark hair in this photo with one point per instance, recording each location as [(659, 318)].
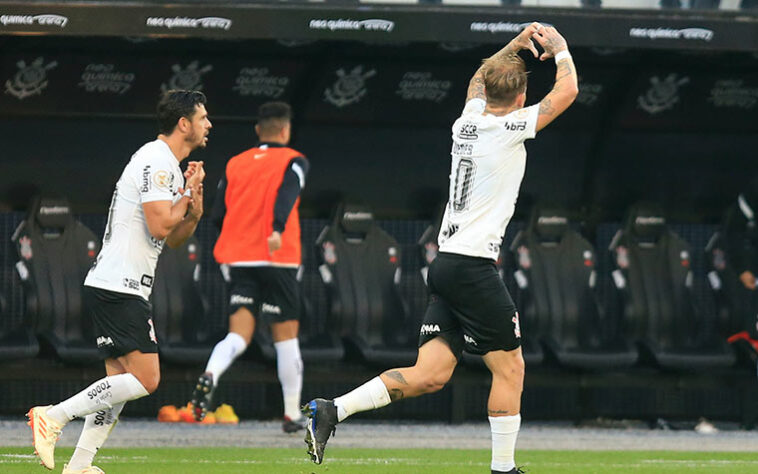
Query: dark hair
[(272, 116), (175, 104)]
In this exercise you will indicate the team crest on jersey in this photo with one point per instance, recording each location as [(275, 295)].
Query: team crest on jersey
[(516, 325), (163, 179), (25, 247), (151, 333)]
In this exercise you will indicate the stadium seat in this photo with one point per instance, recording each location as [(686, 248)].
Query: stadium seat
[(556, 278), (16, 341), (736, 306), (359, 264), (654, 280), (180, 312), (55, 253)]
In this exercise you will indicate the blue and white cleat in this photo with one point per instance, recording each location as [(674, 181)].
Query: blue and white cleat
[(321, 424)]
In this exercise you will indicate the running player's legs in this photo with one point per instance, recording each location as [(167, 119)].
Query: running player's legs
[(281, 307), (121, 324), (244, 296)]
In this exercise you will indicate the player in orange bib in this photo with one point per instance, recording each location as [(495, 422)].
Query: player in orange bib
[(259, 251)]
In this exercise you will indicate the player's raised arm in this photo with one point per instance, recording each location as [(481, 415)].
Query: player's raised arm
[(476, 88), (566, 86)]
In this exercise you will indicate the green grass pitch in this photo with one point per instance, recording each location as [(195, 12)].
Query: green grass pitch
[(388, 461)]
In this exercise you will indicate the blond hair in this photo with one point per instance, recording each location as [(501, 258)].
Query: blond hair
[(504, 78)]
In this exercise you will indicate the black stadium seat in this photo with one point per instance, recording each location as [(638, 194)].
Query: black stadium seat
[(360, 265), (737, 306), (180, 312), (55, 253), (18, 341), (654, 280), (556, 278)]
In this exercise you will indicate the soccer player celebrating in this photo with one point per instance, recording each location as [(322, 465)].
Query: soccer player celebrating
[(469, 307), (256, 209), (150, 207)]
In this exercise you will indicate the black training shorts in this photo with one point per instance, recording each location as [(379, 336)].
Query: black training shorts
[(469, 306), (122, 322), (272, 292)]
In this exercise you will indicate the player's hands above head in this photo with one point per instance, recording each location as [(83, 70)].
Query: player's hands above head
[(274, 241), (748, 279), (524, 39), (551, 41)]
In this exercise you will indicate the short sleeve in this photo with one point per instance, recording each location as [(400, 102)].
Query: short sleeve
[(522, 123), (156, 184), (474, 106)]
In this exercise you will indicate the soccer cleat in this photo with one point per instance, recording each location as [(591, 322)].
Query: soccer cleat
[(293, 426), (202, 395), (225, 414), (322, 424), (86, 470), (45, 433), (515, 470)]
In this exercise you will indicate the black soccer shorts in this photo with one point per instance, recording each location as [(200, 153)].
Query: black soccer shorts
[(469, 306), (122, 322), (272, 292)]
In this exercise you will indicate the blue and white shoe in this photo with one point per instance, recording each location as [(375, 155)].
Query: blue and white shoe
[(321, 424)]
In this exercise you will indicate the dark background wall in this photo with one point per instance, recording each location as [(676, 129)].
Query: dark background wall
[(605, 153)]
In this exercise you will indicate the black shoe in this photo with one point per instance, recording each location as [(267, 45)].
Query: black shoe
[(515, 470), (201, 396), (321, 425), (293, 426)]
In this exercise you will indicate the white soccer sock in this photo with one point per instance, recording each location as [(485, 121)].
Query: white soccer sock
[(97, 427), (369, 396), (504, 433), (289, 368), (227, 349), (103, 394)]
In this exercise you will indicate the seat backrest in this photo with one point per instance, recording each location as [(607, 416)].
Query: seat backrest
[(360, 265), (736, 306), (653, 271), (178, 306), (556, 278), (55, 252)]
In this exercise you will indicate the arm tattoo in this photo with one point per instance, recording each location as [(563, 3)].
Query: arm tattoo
[(564, 69), (546, 107), (396, 376), (497, 412), (476, 86), (396, 394)]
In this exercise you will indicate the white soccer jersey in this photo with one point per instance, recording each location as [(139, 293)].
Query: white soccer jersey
[(488, 164), (126, 263)]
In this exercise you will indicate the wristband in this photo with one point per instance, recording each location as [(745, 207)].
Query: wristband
[(187, 193), (562, 55)]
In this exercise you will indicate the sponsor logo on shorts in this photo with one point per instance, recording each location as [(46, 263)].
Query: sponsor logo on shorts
[(239, 299), (469, 339), (430, 329), (270, 308), (104, 341), (151, 332), (516, 326)]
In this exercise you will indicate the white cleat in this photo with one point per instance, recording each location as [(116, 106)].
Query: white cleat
[(86, 470), (45, 432)]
